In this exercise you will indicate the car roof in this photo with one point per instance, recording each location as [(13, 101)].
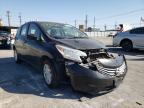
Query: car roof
[(138, 27), (40, 22)]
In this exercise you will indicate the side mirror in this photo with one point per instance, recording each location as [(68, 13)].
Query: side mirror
[(32, 37)]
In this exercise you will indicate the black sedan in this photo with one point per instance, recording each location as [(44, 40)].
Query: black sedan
[(64, 53), (5, 39)]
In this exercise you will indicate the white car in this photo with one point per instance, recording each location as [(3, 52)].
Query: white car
[(128, 40)]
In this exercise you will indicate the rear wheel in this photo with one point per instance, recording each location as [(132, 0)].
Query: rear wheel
[(50, 75), (127, 45)]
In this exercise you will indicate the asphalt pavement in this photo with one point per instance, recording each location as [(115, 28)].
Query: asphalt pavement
[(21, 86)]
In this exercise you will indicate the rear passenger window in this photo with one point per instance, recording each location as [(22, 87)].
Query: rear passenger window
[(24, 30), (137, 31)]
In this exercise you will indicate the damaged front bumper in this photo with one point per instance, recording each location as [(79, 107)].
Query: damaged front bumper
[(99, 76)]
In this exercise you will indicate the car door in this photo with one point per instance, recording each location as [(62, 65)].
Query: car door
[(21, 38), (34, 44), (137, 36)]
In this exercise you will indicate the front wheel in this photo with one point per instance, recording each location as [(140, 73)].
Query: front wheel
[(50, 75)]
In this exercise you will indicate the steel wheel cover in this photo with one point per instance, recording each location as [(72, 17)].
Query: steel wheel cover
[(47, 73)]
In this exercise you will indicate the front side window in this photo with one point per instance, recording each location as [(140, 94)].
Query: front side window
[(61, 31)]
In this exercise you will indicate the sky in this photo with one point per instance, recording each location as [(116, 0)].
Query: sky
[(67, 11)]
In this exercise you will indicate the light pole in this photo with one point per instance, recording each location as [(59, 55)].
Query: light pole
[(8, 16), (20, 21)]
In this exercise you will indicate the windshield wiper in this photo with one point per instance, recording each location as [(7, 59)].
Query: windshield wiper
[(58, 37), (77, 37), (63, 37)]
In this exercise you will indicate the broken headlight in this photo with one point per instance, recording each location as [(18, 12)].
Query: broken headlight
[(70, 53)]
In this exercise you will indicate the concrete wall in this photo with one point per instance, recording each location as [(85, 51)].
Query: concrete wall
[(99, 34)]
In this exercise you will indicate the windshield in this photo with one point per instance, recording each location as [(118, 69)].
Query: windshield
[(61, 31)]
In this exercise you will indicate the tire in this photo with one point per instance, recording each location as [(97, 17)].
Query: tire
[(16, 57), (127, 45), (50, 75)]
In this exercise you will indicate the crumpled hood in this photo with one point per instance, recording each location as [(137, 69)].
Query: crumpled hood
[(82, 43), (112, 63)]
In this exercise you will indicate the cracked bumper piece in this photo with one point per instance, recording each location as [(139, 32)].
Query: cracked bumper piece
[(107, 76)]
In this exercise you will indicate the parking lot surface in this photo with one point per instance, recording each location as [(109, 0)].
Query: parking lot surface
[(21, 86)]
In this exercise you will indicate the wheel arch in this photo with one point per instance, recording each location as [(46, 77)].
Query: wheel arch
[(59, 66), (125, 39), (45, 57)]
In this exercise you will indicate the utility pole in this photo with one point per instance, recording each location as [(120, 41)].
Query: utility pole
[(115, 25), (20, 18), (94, 23), (75, 23), (105, 27), (86, 22), (8, 16), (94, 26)]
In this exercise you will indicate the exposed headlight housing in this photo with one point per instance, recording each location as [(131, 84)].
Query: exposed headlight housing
[(70, 53)]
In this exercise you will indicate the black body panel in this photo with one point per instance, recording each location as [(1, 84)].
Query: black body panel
[(83, 78), (93, 82), (3, 42), (82, 44)]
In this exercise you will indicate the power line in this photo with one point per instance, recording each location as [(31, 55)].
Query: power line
[(113, 16), (121, 14)]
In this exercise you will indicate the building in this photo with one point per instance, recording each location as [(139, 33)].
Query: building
[(11, 29)]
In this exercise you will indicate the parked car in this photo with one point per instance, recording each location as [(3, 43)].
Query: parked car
[(112, 34), (5, 39), (131, 39), (64, 53)]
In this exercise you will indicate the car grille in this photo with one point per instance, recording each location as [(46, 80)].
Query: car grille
[(112, 71)]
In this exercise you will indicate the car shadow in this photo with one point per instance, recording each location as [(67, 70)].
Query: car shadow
[(24, 79), (135, 55)]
